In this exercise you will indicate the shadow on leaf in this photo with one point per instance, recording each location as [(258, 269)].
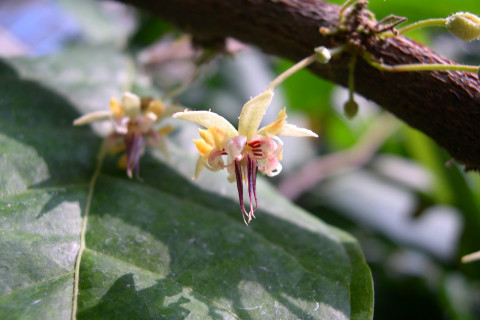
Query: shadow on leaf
[(42, 150), (123, 301)]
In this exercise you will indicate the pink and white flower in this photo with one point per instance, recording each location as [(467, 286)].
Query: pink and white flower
[(134, 121), (246, 151)]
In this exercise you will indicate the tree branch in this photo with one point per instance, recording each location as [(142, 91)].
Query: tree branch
[(443, 104)]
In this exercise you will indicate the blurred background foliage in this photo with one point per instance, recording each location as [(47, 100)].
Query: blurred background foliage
[(372, 176)]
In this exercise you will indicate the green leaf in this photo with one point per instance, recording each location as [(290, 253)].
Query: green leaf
[(164, 247)]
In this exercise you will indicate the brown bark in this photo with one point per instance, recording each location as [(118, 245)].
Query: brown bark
[(444, 105)]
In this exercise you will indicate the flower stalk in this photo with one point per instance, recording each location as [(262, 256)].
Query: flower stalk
[(439, 22), (292, 70), (463, 25), (351, 106), (419, 66)]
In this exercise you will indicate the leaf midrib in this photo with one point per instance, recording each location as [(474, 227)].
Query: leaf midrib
[(37, 283)]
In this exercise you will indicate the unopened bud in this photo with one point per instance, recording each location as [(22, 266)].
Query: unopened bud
[(322, 54), (464, 25), (350, 108)]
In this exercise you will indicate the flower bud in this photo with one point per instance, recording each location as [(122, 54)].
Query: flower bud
[(464, 25), (322, 54), (350, 108)]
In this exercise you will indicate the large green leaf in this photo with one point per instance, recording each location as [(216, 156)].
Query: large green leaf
[(164, 247)]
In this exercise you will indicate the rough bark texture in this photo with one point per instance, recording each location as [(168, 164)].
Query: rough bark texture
[(444, 105)]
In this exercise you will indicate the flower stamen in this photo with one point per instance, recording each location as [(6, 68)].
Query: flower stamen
[(249, 168), (238, 176), (252, 169), (133, 146)]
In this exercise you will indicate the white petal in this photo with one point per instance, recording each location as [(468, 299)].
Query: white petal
[(294, 131), (253, 112), (276, 171), (235, 146), (121, 125), (152, 116), (208, 119), (91, 117)]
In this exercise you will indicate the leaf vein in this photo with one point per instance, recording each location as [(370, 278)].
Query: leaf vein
[(37, 283), (91, 188)]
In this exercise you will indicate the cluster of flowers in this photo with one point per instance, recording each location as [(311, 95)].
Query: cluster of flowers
[(241, 152)]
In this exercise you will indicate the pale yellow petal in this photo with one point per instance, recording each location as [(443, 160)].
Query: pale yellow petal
[(203, 148), (294, 131), (252, 114), (276, 126), (92, 117), (198, 167), (207, 136), (157, 107), (116, 108), (208, 119), (219, 137)]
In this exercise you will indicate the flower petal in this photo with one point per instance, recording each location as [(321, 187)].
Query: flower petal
[(215, 161), (276, 126), (92, 117), (207, 119), (156, 107), (203, 147), (263, 147), (234, 147), (271, 167), (294, 131), (207, 136), (116, 108), (198, 167), (252, 114)]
